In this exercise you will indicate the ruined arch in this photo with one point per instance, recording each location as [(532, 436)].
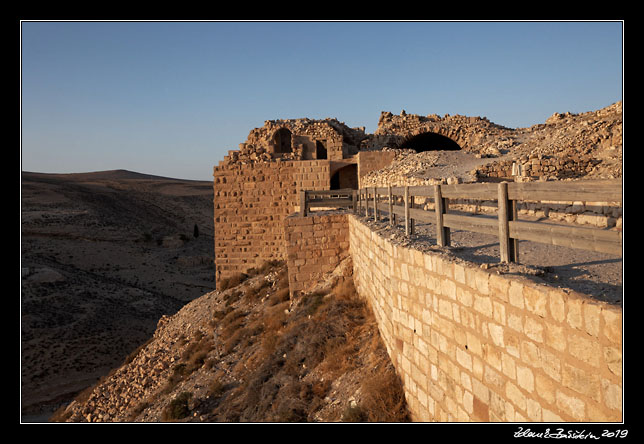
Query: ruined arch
[(283, 141), (429, 141)]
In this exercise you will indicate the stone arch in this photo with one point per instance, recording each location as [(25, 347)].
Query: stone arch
[(429, 141), (282, 141)]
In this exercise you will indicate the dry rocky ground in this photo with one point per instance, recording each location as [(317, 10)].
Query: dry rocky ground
[(250, 354), (103, 257)]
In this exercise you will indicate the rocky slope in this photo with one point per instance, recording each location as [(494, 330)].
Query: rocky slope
[(590, 142), (103, 256), (250, 354)]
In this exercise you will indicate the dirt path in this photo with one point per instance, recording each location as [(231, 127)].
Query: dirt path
[(597, 275)]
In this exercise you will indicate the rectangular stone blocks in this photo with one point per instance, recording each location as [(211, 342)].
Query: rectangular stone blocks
[(473, 345)]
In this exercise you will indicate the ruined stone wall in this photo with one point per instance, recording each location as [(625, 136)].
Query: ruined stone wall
[(298, 139), (315, 245), (475, 134), (537, 167), (372, 161), (250, 204), (472, 345)]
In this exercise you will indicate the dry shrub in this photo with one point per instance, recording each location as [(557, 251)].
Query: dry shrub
[(330, 332), (383, 398), (257, 291), (281, 295), (177, 408), (232, 281)]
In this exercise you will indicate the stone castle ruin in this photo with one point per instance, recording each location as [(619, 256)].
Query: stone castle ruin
[(257, 186), (468, 343)]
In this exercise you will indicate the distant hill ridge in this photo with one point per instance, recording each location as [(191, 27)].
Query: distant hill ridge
[(119, 174)]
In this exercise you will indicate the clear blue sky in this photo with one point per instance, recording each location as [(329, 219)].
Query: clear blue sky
[(171, 98)]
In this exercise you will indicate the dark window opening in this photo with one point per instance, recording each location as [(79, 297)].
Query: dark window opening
[(346, 177), (429, 142), (320, 150), (282, 141)]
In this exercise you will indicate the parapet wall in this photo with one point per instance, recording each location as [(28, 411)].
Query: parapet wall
[(250, 204), (315, 245), (473, 345)]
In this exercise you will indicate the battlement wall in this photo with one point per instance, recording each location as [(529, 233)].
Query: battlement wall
[(250, 204)]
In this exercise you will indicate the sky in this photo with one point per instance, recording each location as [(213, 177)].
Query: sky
[(171, 98)]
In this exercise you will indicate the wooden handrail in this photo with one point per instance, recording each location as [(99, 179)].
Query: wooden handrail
[(505, 225)]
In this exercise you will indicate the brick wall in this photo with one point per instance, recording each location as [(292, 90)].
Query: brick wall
[(471, 345), (250, 203), (315, 245)]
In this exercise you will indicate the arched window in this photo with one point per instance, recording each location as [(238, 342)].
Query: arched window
[(282, 140)]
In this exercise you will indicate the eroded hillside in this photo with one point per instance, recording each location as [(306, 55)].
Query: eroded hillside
[(251, 354), (103, 256)]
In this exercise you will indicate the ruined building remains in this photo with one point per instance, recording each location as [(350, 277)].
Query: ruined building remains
[(257, 186)]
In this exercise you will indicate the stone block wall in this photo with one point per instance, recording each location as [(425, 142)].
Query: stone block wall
[(250, 204), (472, 345), (315, 245), (372, 161), (538, 167)]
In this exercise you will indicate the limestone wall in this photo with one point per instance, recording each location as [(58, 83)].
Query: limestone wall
[(472, 345), (250, 204), (315, 245), (372, 161)]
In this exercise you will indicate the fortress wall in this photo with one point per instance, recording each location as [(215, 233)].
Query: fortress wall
[(250, 204), (472, 345), (315, 245), (372, 161)]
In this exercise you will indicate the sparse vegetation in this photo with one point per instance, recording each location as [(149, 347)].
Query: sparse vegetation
[(177, 408), (280, 352), (263, 357)]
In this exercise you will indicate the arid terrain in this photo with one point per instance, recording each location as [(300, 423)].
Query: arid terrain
[(120, 320), (250, 354), (104, 256)]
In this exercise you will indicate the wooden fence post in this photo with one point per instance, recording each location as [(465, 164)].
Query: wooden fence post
[(391, 207), (354, 200), (412, 222), (375, 205), (440, 207), (303, 203), (366, 202), (506, 212), (406, 202)]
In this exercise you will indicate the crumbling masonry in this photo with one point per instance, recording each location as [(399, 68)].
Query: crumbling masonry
[(257, 186)]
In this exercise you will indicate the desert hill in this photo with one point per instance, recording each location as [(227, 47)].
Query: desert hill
[(103, 256)]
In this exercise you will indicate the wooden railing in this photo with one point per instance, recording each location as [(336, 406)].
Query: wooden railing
[(344, 198), (398, 202)]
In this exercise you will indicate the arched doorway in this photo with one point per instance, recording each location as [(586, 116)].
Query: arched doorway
[(282, 141), (429, 142)]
